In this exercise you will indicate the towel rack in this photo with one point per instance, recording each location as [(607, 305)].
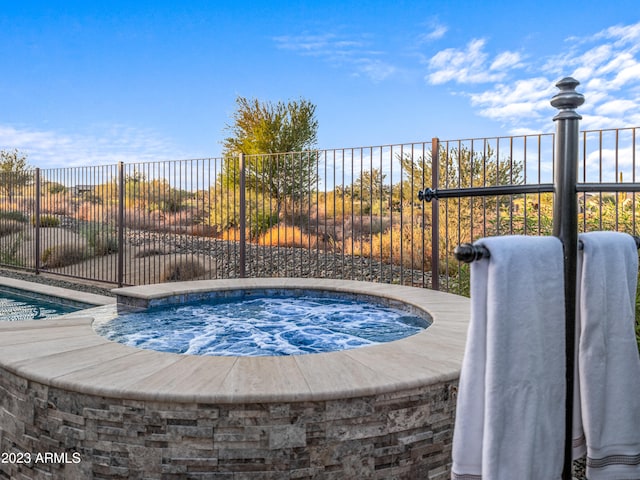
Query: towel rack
[(468, 252), (565, 188)]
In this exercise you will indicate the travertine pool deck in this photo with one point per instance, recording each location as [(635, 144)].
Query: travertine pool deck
[(400, 393)]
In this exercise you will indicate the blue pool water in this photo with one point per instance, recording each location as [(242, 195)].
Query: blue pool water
[(16, 306), (266, 325)]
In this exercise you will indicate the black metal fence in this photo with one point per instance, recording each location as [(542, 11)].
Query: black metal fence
[(347, 213)]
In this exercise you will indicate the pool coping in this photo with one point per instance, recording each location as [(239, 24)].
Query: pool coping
[(65, 352), (59, 292)]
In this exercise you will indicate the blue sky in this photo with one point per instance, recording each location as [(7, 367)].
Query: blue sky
[(96, 82)]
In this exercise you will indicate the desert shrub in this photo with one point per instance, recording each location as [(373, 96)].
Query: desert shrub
[(100, 238), (87, 211), (63, 255), (142, 219), (202, 230), (57, 204), (260, 222), (14, 215), (9, 251), (104, 244), (55, 188), (10, 227), (182, 269), (171, 204), (459, 275), (183, 217), (91, 212), (360, 226), (47, 221)]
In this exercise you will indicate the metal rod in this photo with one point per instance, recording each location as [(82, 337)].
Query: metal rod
[(468, 252), (243, 217), (565, 227), (36, 222), (635, 239), (608, 187), (435, 216), (429, 194), (121, 185)]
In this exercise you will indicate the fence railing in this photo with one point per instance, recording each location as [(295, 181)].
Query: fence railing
[(347, 213)]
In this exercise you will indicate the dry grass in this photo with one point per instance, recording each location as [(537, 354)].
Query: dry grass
[(230, 235), (288, 236), (203, 230), (63, 255), (395, 245)]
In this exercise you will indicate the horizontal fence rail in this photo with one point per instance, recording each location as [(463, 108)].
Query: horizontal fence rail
[(349, 213)]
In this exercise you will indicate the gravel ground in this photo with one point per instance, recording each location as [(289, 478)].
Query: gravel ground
[(579, 469)]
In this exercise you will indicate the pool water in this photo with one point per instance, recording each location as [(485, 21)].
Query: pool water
[(265, 325), (24, 306)]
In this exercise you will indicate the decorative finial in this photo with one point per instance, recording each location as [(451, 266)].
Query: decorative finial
[(568, 99)]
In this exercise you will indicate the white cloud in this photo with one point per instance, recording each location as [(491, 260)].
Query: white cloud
[(96, 146), (436, 32), (622, 34), (506, 60), (515, 103), (375, 69), (354, 52), (326, 44), (616, 106), (470, 65), (607, 63)]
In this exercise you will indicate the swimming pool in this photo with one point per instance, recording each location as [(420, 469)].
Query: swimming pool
[(16, 305)]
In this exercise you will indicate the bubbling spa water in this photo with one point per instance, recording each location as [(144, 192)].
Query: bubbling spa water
[(263, 325)]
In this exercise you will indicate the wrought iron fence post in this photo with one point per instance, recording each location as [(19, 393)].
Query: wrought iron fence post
[(435, 215), (36, 220), (121, 185), (565, 227), (243, 217)]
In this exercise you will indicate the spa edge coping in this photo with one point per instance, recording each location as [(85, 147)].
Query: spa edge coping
[(66, 353), (53, 291)]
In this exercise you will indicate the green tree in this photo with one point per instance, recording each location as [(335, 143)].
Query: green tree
[(369, 188), (14, 172), (277, 141), (260, 128)]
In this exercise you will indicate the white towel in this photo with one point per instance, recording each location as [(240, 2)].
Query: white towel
[(511, 397), (608, 387)]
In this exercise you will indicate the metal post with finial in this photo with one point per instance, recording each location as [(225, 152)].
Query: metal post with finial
[(565, 227)]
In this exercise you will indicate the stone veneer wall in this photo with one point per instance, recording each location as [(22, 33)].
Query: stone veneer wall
[(400, 435)]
